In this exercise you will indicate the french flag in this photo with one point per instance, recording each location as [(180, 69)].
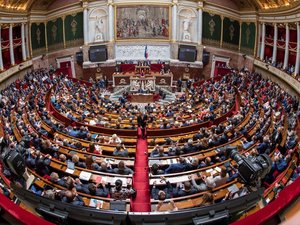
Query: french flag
[(146, 52)]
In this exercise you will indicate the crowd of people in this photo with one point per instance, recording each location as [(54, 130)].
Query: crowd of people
[(25, 100)]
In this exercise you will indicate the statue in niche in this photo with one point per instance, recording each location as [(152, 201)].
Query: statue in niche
[(99, 29), (186, 34)]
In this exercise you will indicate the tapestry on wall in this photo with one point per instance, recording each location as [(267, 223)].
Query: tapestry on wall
[(143, 22), (38, 41), (231, 33), (55, 34), (248, 37), (74, 29), (211, 27)]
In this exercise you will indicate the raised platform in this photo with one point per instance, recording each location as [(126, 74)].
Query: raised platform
[(143, 98)]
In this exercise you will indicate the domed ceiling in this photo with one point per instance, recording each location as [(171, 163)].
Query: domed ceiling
[(25, 5)]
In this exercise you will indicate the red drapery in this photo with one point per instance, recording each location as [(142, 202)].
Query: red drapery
[(280, 55), (268, 51), (221, 69), (65, 68)]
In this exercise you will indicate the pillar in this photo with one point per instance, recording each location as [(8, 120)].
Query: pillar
[(240, 34), (27, 39), (111, 26), (11, 45), (287, 40), (258, 41), (64, 31), (23, 42), (1, 60), (200, 15), (297, 66), (274, 57), (222, 28), (174, 20), (263, 37), (85, 25)]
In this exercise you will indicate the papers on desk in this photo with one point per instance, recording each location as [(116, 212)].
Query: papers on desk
[(85, 176), (173, 180), (213, 171), (109, 160), (171, 161), (95, 202), (233, 189), (69, 171)]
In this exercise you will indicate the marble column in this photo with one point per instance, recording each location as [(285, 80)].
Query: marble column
[(274, 56), (1, 60), (111, 26), (27, 40), (297, 66), (258, 41), (23, 42), (200, 13), (287, 40), (85, 25), (11, 45), (174, 21), (263, 37)]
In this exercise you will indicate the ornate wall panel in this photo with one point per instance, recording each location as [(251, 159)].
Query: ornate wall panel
[(231, 33), (38, 41), (55, 34), (187, 31), (137, 52), (98, 25), (211, 28), (74, 29), (248, 37), (142, 22)]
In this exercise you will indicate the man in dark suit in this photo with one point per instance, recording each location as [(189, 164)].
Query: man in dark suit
[(142, 123)]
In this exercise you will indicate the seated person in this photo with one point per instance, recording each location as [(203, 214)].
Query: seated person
[(104, 167), (96, 189), (177, 167), (120, 193), (121, 151), (207, 199), (75, 160), (155, 170), (72, 197), (213, 182), (162, 194), (158, 151), (123, 169), (115, 139), (184, 189)]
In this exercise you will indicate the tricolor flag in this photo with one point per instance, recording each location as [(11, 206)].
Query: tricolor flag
[(146, 52)]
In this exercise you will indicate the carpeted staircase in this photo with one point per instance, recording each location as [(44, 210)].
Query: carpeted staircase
[(141, 177)]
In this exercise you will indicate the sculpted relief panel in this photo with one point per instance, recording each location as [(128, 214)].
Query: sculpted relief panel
[(137, 52), (98, 26)]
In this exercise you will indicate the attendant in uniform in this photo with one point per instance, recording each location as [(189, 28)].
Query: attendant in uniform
[(142, 123)]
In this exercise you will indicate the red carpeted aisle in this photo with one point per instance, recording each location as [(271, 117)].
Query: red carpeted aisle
[(141, 177)]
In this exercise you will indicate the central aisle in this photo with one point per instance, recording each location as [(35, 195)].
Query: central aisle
[(141, 177)]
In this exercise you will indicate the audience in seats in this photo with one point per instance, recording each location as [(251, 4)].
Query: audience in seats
[(120, 193)]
